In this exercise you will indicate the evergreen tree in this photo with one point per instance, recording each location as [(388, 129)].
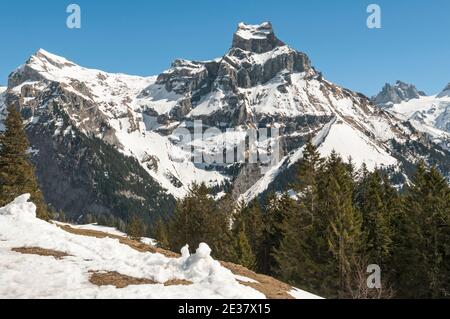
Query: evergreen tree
[(135, 228), (343, 227), (373, 203), (244, 253), (276, 220), (198, 219), (423, 240), (17, 175), (161, 234), (249, 219)]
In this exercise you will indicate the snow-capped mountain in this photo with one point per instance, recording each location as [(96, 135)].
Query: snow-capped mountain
[(429, 114), (108, 138), (397, 93)]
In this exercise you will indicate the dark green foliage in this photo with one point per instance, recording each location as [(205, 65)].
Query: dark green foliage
[(161, 234), (423, 241), (340, 221), (198, 219), (244, 252), (17, 175), (135, 228)]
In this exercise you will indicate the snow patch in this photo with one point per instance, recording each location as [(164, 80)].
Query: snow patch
[(69, 277)]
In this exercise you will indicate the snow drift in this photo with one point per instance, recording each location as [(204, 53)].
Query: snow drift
[(35, 276)]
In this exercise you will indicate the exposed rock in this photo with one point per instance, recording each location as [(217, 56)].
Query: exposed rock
[(445, 92), (256, 38), (397, 93)]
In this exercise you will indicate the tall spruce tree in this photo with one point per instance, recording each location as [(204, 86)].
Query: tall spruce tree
[(243, 250), (249, 218), (374, 204), (423, 241), (298, 258), (17, 174), (343, 227), (198, 219), (278, 212)]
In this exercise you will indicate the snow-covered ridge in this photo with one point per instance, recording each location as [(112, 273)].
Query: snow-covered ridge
[(68, 277), (249, 31), (259, 81)]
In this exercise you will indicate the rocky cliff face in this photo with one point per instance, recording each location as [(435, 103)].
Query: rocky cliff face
[(113, 141), (397, 93)]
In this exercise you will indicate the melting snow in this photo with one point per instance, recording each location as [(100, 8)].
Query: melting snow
[(33, 276)]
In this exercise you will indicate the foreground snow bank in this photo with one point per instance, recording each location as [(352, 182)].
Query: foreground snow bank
[(34, 276)]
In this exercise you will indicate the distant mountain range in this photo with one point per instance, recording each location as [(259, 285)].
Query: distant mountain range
[(107, 144), (428, 114)]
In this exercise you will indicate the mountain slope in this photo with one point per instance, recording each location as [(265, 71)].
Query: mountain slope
[(397, 93), (259, 83), (428, 114), (72, 263)]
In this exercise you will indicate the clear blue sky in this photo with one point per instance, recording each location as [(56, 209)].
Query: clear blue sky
[(143, 37)]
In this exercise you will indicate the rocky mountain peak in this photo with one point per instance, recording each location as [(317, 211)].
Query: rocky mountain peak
[(256, 38), (445, 92), (396, 93)]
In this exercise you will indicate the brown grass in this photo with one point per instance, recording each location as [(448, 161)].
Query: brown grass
[(113, 278), (269, 286), (137, 245), (41, 252), (178, 282)]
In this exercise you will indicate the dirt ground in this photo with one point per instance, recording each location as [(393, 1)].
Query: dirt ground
[(40, 251), (269, 286)]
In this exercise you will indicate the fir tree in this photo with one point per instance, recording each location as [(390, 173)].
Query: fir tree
[(161, 234), (249, 219), (373, 203), (135, 228), (343, 227), (17, 174), (423, 248), (244, 253), (198, 218), (276, 220)]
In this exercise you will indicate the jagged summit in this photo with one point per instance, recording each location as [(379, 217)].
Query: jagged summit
[(256, 38), (259, 82), (397, 93)]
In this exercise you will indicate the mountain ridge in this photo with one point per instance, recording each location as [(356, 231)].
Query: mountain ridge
[(259, 83)]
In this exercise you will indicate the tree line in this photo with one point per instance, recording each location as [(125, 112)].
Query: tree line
[(335, 221), (320, 236)]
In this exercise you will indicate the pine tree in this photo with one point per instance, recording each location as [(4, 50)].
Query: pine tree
[(298, 256), (244, 253), (198, 218), (249, 219), (161, 234), (17, 174), (343, 227), (307, 177), (135, 228), (423, 249), (276, 220), (373, 203)]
